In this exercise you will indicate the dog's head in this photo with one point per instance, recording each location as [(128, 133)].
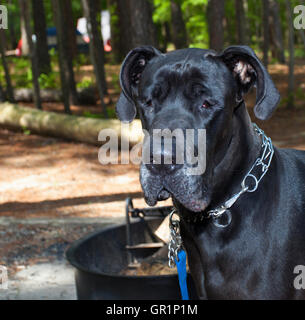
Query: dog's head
[(189, 89)]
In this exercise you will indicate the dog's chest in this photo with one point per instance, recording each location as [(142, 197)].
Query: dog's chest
[(229, 269)]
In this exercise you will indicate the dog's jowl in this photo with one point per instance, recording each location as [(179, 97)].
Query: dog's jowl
[(253, 256)]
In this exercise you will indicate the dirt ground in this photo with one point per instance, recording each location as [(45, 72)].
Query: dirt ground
[(52, 191)]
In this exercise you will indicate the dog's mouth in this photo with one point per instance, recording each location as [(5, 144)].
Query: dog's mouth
[(190, 192), (195, 205)]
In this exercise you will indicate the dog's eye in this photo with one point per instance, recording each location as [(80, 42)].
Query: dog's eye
[(148, 103), (206, 105)]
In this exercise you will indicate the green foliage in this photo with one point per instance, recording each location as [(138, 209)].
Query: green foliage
[(162, 11), (26, 131), (21, 72), (88, 114), (20, 63), (300, 52), (194, 14), (82, 59), (110, 112), (49, 81), (104, 4), (53, 54), (85, 83), (23, 80), (2, 76)]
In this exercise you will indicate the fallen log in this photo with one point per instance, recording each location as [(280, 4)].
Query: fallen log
[(69, 127)]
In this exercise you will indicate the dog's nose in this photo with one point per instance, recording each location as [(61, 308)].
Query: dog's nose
[(163, 159)]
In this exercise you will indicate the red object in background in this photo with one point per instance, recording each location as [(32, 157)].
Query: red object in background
[(107, 46), (19, 48)]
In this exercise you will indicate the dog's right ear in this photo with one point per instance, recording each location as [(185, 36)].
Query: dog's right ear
[(249, 71), (131, 71)]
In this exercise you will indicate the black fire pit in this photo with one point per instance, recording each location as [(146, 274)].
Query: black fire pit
[(100, 257)]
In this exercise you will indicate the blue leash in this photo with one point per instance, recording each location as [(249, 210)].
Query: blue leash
[(182, 274), (177, 254)]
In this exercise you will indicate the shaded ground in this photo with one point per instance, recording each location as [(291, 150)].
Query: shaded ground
[(52, 192), (34, 252), (47, 177)]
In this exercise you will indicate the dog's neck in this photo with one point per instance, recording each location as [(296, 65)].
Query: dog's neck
[(240, 156)]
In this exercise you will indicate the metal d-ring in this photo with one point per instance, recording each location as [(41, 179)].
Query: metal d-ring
[(229, 217), (243, 184)]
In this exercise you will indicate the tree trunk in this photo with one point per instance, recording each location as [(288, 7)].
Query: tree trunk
[(121, 31), (266, 31), (66, 126), (276, 29), (9, 88), (215, 13), (290, 103), (301, 31), (240, 22), (96, 49), (24, 8), (166, 37), (25, 16), (11, 27), (65, 62), (302, 35), (143, 31), (167, 34), (40, 30), (2, 94), (179, 35), (70, 27)]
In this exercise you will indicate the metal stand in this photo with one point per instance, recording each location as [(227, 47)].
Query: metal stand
[(131, 212)]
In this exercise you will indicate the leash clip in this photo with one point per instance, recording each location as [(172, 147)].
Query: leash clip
[(223, 210)]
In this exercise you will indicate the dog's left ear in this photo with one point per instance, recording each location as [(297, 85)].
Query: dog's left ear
[(249, 71), (131, 72)]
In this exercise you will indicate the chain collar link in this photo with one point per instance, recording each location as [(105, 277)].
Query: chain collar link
[(175, 243)]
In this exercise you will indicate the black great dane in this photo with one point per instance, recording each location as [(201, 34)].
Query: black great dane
[(255, 255)]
